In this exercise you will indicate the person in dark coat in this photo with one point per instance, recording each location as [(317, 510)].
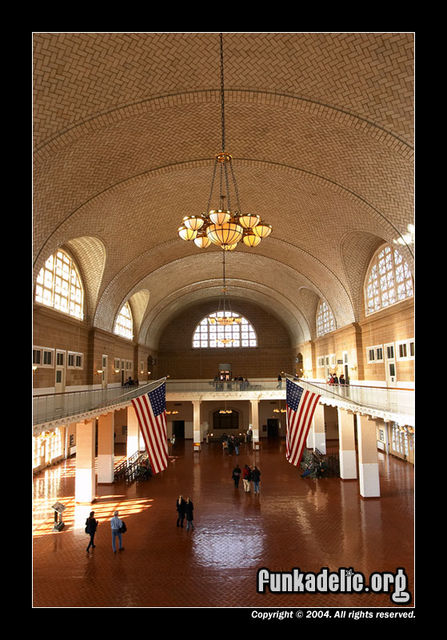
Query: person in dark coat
[(90, 527), (256, 478), (236, 475), (189, 508), (180, 505)]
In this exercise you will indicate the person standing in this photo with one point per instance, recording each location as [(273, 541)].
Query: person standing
[(236, 475), (180, 506), (246, 476), (90, 527), (116, 524), (189, 508), (256, 477)]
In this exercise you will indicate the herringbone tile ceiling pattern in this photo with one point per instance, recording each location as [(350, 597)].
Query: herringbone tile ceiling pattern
[(126, 126)]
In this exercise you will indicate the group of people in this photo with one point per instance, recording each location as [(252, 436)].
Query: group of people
[(248, 474), (185, 509), (333, 379), (230, 444), (235, 383), (131, 383), (117, 525)]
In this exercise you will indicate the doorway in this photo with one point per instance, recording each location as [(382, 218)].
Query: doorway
[(178, 429), (272, 428), (390, 365)]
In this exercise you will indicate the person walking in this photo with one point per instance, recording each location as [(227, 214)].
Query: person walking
[(246, 476), (90, 527), (189, 508), (116, 524), (236, 475), (256, 477), (180, 506)]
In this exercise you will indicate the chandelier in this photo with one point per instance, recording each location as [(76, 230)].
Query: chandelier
[(223, 226)]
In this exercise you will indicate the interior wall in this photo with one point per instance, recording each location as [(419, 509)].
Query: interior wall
[(178, 359)]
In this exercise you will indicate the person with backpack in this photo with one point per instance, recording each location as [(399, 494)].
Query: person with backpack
[(117, 529), (246, 477), (90, 527)]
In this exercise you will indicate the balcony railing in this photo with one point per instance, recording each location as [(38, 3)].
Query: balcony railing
[(55, 407)]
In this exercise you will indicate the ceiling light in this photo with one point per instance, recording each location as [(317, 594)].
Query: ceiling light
[(224, 226)]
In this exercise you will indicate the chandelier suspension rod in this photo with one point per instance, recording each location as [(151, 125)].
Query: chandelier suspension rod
[(222, 98)]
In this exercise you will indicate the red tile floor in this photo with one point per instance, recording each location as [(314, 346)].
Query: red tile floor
[(294, 523)]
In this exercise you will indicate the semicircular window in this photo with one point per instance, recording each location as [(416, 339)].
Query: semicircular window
[(388, 280), (224, 329), (59, 285)]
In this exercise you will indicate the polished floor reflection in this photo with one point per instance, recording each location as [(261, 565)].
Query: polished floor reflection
[(294, 522)]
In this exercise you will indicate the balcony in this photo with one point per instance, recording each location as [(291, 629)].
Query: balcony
[(397, 405)]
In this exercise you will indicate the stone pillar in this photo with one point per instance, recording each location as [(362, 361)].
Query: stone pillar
[(346, 435), (133, 432), (254, 405), (85, 480), (368, 459), (197, 436), (318, 429), (106, 448)]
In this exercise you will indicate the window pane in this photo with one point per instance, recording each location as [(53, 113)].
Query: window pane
[(210, 333), (391, 287)]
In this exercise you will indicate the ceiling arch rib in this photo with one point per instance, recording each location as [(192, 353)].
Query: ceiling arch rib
[(266, 298), (284, 139)]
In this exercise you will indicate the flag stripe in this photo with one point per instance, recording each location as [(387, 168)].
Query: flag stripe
[(301, 405), (153, 426)]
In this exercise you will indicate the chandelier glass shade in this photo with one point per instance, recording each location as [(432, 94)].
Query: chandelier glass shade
[(225, 225)]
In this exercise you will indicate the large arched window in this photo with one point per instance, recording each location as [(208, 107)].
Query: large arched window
[(59, 285), (124, 322), (218, 330), (388, 280), (325, 319)]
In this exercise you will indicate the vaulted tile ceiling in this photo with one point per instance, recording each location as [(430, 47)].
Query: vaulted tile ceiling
[(126, 127)]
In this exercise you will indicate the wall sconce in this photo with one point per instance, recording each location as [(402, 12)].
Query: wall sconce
[(116, 370), (34, 368), (99, 371)]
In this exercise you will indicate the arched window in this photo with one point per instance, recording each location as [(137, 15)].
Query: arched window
[(124, 322), (388, 280), (325, 319), (59, 285), (224, 329)]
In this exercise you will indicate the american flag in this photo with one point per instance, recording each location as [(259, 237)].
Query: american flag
[(151, 413), (301, 406)]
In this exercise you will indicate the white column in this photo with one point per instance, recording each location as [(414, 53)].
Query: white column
[(318, 429), (133, 432), (197, 437), (254, 404), (85, 484), (348, 458), (106, 446), (368, 460)]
